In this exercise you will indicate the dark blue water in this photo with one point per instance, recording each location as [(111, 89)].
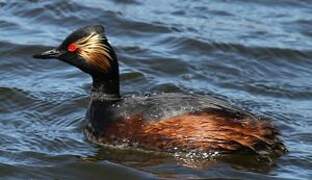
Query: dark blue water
[(256, 54)]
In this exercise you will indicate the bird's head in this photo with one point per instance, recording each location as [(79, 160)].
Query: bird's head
[(86, 48)]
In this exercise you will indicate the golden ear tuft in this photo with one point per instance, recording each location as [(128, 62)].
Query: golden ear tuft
[(94, 51)]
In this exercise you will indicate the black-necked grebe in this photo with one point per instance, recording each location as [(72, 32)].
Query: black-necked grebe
[(167, 122)]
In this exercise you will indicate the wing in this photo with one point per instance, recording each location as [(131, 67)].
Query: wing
[(168, 105)]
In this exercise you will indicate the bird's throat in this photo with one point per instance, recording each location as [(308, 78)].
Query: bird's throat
[(105, 89)]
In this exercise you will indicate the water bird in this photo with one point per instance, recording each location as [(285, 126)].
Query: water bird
[(167, 122)]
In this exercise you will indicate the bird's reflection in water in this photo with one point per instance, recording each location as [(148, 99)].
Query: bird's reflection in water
[(142, 159)]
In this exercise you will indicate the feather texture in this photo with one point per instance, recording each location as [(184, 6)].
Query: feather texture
[(94, 51), (200, 132)]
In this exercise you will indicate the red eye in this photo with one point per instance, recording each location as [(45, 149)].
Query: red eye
[(72, 47)]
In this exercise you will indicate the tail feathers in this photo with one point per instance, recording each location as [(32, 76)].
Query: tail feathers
[(258, 136)]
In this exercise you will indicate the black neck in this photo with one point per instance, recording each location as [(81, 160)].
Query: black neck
[(105, 89), (104, 93), (100, 113)]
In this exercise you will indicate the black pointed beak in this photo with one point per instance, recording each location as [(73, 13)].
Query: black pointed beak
[(53, 53)]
